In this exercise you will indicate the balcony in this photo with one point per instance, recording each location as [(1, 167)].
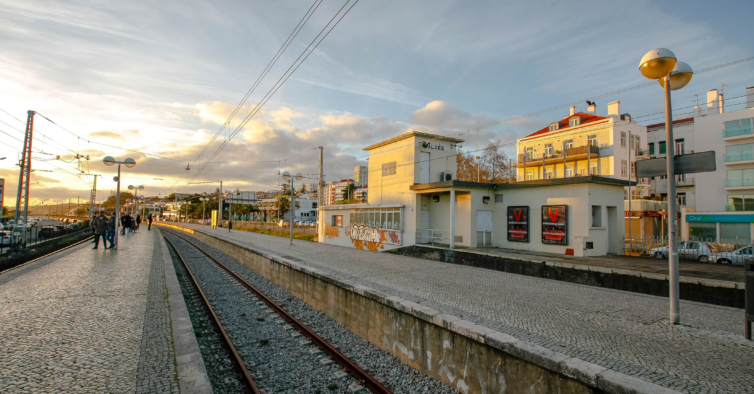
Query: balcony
[(571, 154), (738, 128), (738, 157), (739, 183)]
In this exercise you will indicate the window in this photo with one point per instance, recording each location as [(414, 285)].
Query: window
[(735, 233), (740, 202), (662, 147), (739, 152), (388, 168), (593, 168), (596, 216), (498, 198), (553, 126), (529, 153), (637, 146), (337, 220), (680, 178), (651, 148), (575, 121), (548, 173), (632, 142), (549, 151), (569, 144), (736, 178), (314, 205), (592, 140), (623, 168), (735, 128), (633, 169), (681, 198), (384, 218), (623, 139), (679, 146), (530, 175), (569, 171)]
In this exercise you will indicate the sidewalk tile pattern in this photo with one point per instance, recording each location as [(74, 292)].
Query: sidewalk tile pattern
[(73, 322)]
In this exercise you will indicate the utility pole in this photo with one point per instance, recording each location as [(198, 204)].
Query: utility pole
[(321, 184), (22, 197), (220, 206), (93, 198)]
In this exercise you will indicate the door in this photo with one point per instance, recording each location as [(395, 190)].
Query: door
[(424, 167), (483, 228), (424, 227), (691, 251)]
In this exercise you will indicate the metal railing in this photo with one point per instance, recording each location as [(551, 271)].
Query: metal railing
[(695, 248), (558, 154), (433, 237), (274, 226), (739, 182), (733, 157), (21, 237)]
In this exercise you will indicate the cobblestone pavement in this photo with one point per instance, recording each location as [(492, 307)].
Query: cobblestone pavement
[(623, 331), (73, 322)]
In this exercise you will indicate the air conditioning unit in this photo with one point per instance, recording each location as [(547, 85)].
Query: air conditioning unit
[(448, 177), (442, 176)]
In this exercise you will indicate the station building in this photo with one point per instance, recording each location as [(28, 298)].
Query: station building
[(415, 198)]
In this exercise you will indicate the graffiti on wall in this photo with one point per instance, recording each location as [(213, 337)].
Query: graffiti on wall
[(331, 231), (372, 238)]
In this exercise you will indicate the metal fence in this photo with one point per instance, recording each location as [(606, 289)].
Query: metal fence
[(274, 226), (433, 237), (694, 248), (20, 237)]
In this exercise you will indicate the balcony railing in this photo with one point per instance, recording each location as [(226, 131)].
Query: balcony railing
[(570, 152), (737, 128), (739, 182), (733, 157)]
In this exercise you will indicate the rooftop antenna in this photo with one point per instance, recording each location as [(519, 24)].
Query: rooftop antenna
[(722, 88), (697, 99)]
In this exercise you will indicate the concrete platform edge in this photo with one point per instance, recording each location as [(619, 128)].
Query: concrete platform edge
[(584, 372), (192, 375)]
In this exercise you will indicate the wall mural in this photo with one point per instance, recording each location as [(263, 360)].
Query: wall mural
[(372, 238), (331, 231)]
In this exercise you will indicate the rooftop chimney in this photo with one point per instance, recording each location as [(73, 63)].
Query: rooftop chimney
[(750, 97), (613, 109), (713, 103), (697, 112), (722, 104), (592, 108), (573, 107)]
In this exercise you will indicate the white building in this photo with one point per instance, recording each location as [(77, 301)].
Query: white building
[(415, 199), (268, 210), (360, 175), (718, 205)]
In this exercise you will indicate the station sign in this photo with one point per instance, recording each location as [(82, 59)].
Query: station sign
[(518, 224), (555, 224)]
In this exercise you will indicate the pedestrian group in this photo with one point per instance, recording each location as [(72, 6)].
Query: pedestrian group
[(105, 228)]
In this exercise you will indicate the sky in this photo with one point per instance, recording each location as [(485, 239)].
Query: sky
[(155, 81)]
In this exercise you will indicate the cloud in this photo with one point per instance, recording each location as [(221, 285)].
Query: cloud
[(107, 134)]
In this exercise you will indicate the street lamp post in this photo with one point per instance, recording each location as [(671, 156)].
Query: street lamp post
[(662, 65), (298, 176), (136, 189), (130, 163), (203, 200)]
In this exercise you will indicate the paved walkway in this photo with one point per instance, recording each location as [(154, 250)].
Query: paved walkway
[(623, 331), (732, 273), (89, 321)]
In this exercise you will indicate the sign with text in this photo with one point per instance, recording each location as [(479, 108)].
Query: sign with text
[(518, 224), (555, 224)]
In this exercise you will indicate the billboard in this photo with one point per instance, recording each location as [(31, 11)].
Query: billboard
[(518, 224), (555, 224)]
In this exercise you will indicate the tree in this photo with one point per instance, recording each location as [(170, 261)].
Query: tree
[(492, 165), (348, 196), (110, 202), (284, 205)]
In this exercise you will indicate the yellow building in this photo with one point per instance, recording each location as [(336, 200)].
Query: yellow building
[(583, 144)]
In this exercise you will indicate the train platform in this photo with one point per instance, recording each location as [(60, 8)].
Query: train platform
[(98, 321), (616, 330)]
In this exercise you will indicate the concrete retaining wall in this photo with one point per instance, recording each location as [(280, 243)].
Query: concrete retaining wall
[(457, 352), (709, 291)]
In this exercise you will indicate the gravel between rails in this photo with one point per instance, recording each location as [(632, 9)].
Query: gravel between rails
[(273, 375), (224, 375)]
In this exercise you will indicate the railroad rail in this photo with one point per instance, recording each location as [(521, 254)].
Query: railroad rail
[(247, 376), (349, 366)]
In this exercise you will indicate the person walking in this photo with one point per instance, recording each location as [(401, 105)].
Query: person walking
[(127, 223), (149, 219), (138, 222), (100, 227), (110, 233)]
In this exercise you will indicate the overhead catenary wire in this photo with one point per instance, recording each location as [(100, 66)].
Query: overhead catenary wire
[(280, 81), (266, 70)]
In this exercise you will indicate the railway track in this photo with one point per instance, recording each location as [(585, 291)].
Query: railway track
[(300, 335)]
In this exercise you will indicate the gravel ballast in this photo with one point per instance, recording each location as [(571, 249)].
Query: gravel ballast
[(276, 357)]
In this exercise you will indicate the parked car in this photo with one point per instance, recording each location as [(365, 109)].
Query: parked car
[(735, 257), (47, 232), (4, 238), (687, 250), (310, 223)]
